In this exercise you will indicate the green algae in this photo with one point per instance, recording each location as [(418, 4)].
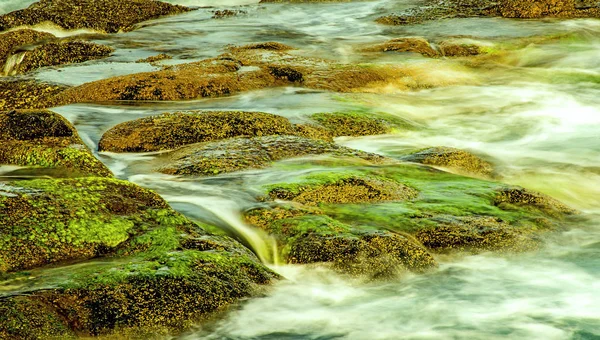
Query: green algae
[(359, 123)]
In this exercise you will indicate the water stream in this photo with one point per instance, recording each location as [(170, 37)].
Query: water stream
[(537, 116)]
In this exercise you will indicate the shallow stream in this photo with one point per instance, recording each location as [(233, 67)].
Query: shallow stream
[(536, 116)]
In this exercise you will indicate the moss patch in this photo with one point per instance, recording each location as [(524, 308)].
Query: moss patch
[(353, 123), (10, 41), (27, 94), (459, 160)]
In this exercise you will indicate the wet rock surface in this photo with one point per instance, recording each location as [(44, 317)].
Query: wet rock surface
[(159, 272), (243, 153), (108, 16), (45, 139), (459, 160), (27, 94), (10, 41), (444, 9), (169, 131)]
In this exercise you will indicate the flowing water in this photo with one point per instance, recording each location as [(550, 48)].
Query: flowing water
[(536, 115)]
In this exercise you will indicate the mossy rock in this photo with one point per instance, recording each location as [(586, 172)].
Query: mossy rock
[(458, 160), (313, 131), (158, 271), (342, 189), (60, 53), (242, 153), (45, 139), (352, 123), (523, 9), (108, 16), (10, 41), (18, 94), (409, 44), (306, 237), (458, 49), (269, 46), (443, 211), (169, 131)]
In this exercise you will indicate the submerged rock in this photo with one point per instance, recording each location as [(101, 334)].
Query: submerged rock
[(27, 94), (269, 46), (244, 153), (510, 198), (525, 9), (458, 49), (158, 272), (358, 123), (461, 161), (155, 58), (108, 16), (169, 131), (61, 53), (45, 139)]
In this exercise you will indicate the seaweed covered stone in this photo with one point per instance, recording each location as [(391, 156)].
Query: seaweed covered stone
[(60, 53), (408, 44), (352, 123), (524, 9), (307, 236), (108, 16), (458, 160), (440, 211), (18, 94), (40, 138), (158, 271), (242, 153), (10, 41), (171, 130)]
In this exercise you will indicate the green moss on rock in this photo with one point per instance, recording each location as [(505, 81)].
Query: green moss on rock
[(157, 271), (169, 131), (10, 41), (45, 139), (103, 15), (306, 237), (358, 123)]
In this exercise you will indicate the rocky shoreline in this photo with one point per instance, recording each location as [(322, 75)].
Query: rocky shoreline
[(85, 254)]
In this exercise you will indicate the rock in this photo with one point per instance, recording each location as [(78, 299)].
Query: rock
[(457, 49), (208, 78), (10, 41), (458, 160), (27, 94), (474, 234), (226, 13), (511, 197), (154, 59), (269, 46), (158, 272), (408, 44), (45, 139), (525, 9), (342, 190), (169, 131), (61, 53), (439, 211), (313, 132), (358, 123), (108, 16), (307, 238), (244, 153)]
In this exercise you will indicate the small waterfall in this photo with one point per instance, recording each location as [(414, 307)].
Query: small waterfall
[(227, 211), (10, 67)]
